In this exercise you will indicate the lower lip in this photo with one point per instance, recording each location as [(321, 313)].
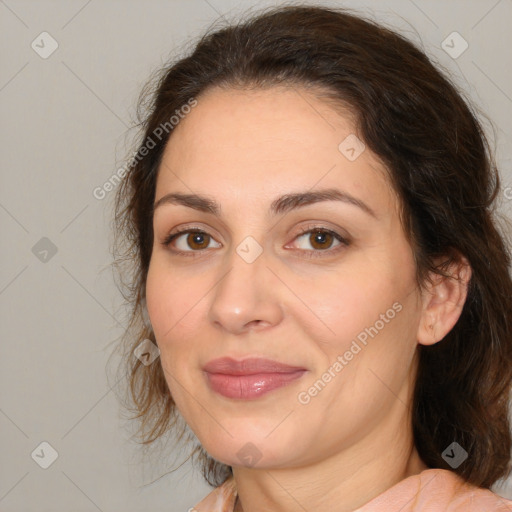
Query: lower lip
[(246, 387)]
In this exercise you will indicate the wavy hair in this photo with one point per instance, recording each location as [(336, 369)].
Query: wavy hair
[(440, 163)]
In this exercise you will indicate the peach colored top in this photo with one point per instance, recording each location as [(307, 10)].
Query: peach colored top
[(432, 490)]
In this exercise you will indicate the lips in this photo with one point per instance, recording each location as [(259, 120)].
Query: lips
[(249, 378)]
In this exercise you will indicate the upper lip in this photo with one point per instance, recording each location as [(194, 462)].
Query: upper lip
[(249, 366)]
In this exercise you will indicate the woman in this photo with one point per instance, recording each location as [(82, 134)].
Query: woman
[(310, 217)]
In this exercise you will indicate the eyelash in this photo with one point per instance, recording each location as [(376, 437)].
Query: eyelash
[(308, 253)]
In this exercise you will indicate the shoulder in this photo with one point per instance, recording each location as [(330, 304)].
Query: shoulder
[(432, 490), (221, 499), (438, 490), (465, 497)]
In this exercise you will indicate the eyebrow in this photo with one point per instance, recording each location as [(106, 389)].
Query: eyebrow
[(280, 205)]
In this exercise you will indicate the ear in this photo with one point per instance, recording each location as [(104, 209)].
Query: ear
[(443, 300)]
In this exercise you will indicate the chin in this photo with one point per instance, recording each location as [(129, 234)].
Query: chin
[(245, 451)]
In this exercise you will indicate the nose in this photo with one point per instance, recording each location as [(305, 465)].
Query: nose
[(246, 296)]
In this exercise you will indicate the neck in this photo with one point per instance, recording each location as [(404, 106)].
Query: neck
[(341, 483), (284, 495)]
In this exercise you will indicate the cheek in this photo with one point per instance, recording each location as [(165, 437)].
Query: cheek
[(173, 307), (344, 303), (368, 312), (172, 299)]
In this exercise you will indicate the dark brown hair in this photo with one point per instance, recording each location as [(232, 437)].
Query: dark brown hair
[(439, 161)]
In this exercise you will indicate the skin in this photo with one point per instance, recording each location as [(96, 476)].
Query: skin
[(353, 440)]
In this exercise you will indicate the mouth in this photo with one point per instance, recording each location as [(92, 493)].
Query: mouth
[(249, 378)]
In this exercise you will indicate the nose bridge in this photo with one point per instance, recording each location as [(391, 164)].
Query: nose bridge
[(243, 294)]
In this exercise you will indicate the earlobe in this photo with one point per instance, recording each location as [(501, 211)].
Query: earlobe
[(443, 300)]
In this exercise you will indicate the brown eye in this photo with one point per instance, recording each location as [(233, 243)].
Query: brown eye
[(191, 242), (321, 239), (188, 241), (197, 240)]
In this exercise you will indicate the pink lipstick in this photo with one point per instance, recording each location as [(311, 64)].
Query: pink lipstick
[(249, 378)]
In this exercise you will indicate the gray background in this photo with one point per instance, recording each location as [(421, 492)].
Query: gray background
[(64, 122)]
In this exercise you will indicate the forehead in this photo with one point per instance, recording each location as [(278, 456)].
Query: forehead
[(257, 144)]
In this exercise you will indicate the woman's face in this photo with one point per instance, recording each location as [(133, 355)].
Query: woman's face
[(258, 282)]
